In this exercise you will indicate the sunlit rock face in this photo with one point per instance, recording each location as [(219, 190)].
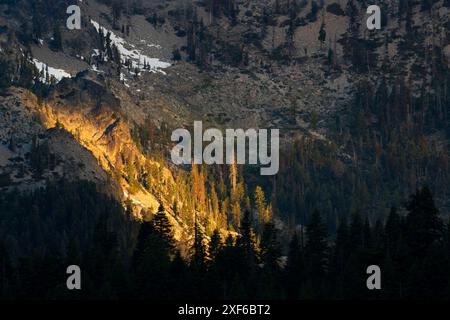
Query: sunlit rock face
[(31, 152), (92, 114)]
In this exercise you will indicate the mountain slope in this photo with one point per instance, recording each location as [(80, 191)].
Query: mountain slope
[(363, 114)]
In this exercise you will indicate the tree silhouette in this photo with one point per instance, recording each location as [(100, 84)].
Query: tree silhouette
[(316, 253), (163, 228), (423, 224)]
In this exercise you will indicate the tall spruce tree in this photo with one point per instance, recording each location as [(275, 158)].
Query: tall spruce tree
[(316, 249), (215, 245), (163, 228), (199, 254), (423, 225)]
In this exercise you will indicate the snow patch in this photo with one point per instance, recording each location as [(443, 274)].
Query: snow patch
[(154, 46), (136, 56), (59, 74)]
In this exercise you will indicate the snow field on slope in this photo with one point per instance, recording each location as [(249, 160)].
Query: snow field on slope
[(132, 54)]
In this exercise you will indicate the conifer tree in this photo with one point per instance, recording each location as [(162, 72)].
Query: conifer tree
[(270, 247), (199, 255), (260, 205), (316, 253), (215, 245), (163, 228), (341, 252), (423, 224), (247, 239), (322, 34), (146, 229)]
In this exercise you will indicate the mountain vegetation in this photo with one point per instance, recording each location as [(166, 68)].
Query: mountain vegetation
[(121, 259), (85, 175)]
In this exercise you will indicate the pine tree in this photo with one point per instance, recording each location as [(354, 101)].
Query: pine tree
[(145, 231), (199, 256), (108, 45), (316, 253), (341, 252), (260, 205), (247, 237), (246, 242), (215, 245), (163, 228), (322, 34), (270, 247), (116, 56), (270, 253), (423, 224), (176, 55)]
